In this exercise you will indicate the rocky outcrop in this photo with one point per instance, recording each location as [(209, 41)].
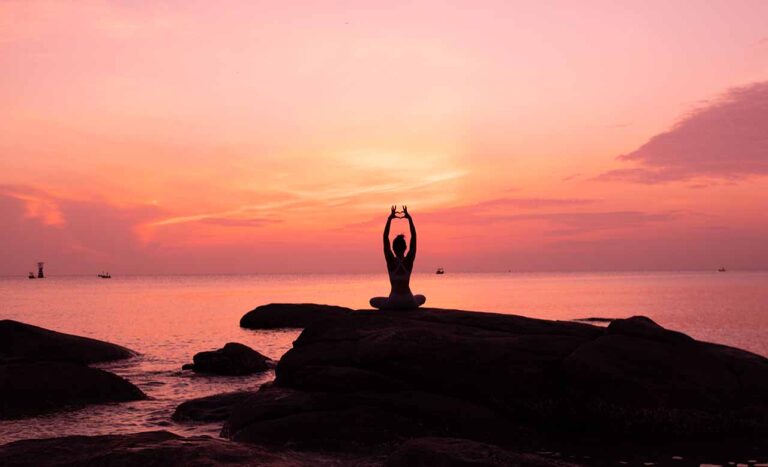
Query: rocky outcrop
[(232, 360), (500, 379), (156, 448), (20, 341), (289, 315), (33, 388), (217, 407)]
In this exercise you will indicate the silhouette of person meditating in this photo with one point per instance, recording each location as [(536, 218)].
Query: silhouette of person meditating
[(399, 266)]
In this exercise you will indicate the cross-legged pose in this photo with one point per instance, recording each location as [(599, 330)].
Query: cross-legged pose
[(399, 266)]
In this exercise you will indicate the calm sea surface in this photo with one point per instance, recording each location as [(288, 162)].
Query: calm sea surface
[(170, 318)]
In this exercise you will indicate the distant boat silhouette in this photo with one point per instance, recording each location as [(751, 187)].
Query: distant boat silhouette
[(440, 271), (31, 275), (105, 275), (721, 270)]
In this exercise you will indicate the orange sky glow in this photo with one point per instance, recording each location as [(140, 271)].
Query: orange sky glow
[(208, 137)]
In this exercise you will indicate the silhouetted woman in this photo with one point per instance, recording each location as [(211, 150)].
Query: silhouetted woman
[(399, 266)]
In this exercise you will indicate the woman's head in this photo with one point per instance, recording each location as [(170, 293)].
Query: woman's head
[(398, 245)]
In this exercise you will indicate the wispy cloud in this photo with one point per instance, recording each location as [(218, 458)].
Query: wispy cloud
[(318, 199)]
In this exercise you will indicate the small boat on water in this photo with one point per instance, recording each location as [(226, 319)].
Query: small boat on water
[(721, 270), (440, 271), (31, 275), (105, 275)]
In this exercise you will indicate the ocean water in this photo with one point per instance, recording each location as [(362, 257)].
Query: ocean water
[(170, 318)]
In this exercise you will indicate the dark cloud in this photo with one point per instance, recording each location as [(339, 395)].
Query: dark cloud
[(724, 139)]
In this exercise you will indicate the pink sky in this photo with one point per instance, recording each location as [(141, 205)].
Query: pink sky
[(189, 137)]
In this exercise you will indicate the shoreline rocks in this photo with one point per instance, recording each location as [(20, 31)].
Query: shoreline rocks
[(449, 387), (233, 359)]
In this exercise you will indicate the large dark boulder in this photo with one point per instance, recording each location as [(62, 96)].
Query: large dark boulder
[(20, 341), (33, 388), (232, 360), (289, 315), (217, 407), (155, 449), (453, 452), (524, 377)]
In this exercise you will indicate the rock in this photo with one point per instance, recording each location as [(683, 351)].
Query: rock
[(232, 360), (20, 341), (289, 315), (33, 388), (452, 452), (519, 375), (156, 449), (217, 407)]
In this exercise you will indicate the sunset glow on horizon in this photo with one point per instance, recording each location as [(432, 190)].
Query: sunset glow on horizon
[(186, 137)]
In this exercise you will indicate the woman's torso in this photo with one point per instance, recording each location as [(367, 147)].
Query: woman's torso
[(400, 276)]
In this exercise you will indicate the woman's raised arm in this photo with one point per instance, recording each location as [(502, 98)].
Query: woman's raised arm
[(387, 248), (412, 247)]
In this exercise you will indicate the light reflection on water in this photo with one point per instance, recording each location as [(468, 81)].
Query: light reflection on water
[(170, 318)]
